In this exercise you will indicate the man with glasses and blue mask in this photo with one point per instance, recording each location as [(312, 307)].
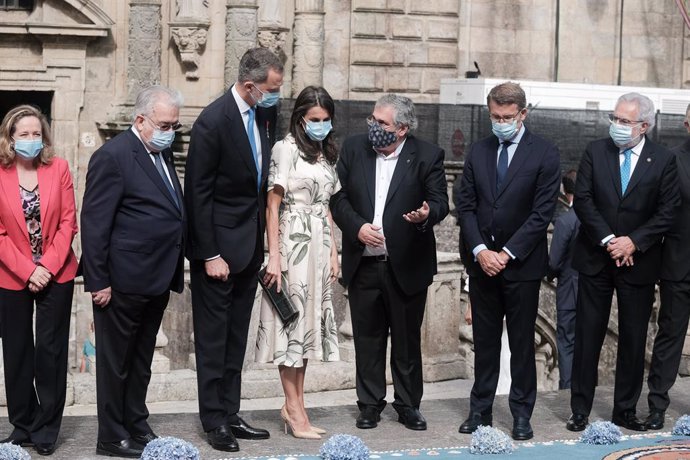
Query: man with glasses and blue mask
[(506, 199), (393, 193), (225, 192), (626, 197), (133, 227)]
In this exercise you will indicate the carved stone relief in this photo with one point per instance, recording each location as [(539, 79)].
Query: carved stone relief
[(190, 41)]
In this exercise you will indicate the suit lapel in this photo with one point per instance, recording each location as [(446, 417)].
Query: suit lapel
[(170, 165), (369, 166), (401, 167), (491, 160), (683, 162), (644, 163), (264, 133), (238, 132), (613, 163), (10, 186), (46, 189)]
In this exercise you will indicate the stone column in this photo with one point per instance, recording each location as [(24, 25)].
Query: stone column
[(309, 41), (143, 46), (241, 26)]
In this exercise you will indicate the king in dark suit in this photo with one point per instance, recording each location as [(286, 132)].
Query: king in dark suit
[(393, 193), (225, 191), (507, 198), (675, 297), (132, 233), (625, 197)]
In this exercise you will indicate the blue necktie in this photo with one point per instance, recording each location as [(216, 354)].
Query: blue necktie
[(502, 166), (625, 170), (252, 142), (166, 181)]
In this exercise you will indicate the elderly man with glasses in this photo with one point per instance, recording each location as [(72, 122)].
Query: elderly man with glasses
[(625, 197)]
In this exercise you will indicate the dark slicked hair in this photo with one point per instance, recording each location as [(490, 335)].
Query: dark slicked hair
[(255, 64)]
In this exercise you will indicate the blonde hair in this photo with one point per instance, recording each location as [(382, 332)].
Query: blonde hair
[(8, 126)]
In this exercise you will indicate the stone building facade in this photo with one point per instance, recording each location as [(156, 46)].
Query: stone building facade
[(83, 61)]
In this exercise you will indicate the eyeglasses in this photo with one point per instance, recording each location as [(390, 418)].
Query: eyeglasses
[(371, 121), (165, 126), (623, 121), (509, 119)]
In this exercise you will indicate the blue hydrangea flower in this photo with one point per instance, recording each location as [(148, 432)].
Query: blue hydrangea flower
[(169, 448), (9, 451), (682, 426), (601, 432), (344, 447), (488, 440)]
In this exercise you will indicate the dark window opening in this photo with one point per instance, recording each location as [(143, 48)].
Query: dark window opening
[(17, 5), (41, 99)]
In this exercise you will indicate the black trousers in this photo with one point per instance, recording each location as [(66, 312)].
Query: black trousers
[(492, 298), (126, 332), (36, 375), (565, 341), (668, 344), (593, 309), (221, 311), (377, 306)]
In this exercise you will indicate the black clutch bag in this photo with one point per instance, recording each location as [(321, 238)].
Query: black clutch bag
[(280, 300)]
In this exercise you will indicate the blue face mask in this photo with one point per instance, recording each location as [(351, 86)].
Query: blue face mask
[(28, 149), (267, 99), (317, 130), (504, 131), (161, 140), (621, 134)]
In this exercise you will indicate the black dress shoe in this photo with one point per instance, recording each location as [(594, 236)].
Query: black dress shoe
[(522, 430), (124, 448), (474, 421), (221, 438), (655, 420), (17, 438), (144, 439), (243, 430), (369, 417), (44, 448), (629, 420), (577, 422), (411, 418)]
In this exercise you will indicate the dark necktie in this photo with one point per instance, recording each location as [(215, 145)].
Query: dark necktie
[(502, 166), (159, 166), (252, 142)]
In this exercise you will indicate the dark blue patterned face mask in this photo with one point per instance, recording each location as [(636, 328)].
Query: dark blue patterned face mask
[(379, 137)]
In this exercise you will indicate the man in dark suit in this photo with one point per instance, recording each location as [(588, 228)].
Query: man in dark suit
[(225, 191), (506, 201), (625, 198), (675, 297), (132, 233), (393, 193), (565, 232)]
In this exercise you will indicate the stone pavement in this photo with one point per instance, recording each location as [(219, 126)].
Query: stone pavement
[(445, 405)]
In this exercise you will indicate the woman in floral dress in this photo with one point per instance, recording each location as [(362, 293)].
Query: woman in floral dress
[(301, 181)]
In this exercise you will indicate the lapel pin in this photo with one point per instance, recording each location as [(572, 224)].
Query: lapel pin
[(649, 160), (408, 160)]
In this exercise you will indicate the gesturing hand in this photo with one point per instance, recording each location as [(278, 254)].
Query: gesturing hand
[(370, 235), (418, 216)]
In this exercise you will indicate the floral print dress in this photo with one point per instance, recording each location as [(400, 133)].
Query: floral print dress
[(305, 248), (31, 205)]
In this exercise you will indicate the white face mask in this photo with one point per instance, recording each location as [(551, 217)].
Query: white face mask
[(504, 131)]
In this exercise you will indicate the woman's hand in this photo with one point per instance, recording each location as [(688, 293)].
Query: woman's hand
[(39, 279), (335, 266), (273, 273)]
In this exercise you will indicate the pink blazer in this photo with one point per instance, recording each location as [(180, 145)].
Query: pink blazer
[(58, 226)]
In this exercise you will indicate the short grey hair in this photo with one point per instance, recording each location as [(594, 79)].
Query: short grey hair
[(403, 110), (149, 97), (645, 107), (256, 63)]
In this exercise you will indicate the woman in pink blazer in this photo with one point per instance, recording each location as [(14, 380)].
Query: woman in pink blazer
[(37, 267)]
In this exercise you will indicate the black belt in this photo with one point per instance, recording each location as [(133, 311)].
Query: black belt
[(378, 258)]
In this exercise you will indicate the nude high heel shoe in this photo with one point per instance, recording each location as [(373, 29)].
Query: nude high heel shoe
[(297, 434), (318, 430)]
